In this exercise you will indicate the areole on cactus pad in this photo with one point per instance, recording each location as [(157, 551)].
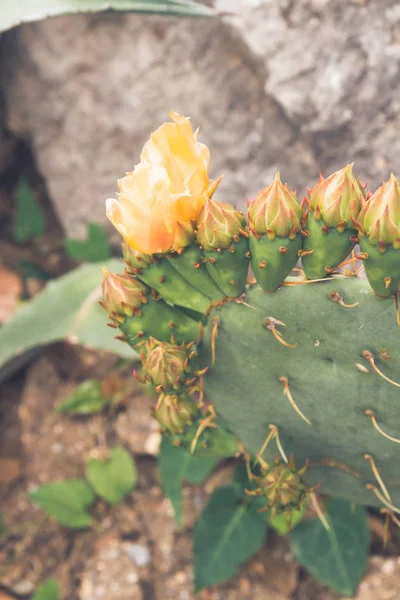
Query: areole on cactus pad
[(305, 367)]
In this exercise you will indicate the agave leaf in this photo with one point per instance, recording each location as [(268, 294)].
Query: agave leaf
[(67, 309)]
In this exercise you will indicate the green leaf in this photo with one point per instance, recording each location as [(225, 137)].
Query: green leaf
[(67, 309), (13, 13), (95, 249), (47, 591), (86, 399), (176, 465), (337, 557), (112, 479), (66, 501), (226, 535), (28, 218)]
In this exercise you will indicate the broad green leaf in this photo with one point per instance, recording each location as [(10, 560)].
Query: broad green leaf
[(337, 557), (66, 501), (66, 309), (176, 465), (15, 12), (86, 399), (28, 218), (112, 479), (227, 534), (47, 591), (94, 249)]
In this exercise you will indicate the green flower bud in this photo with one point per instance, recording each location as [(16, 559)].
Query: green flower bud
[(167, 366), (175, 413), (136, 261), (284, 486)]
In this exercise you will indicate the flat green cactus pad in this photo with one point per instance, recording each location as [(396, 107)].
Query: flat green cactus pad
[(328, 377)]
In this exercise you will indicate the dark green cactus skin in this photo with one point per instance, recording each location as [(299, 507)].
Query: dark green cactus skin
[(190, 266), (162, 277), (229, 269), (278, 264), (380, 265), (324, 379), (160, 320), (329, 249), (213, 442)]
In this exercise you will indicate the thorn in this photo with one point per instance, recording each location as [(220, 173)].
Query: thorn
[(288, 393), (278, 442), (304, 233), (370, 357), (270, 323), (362, 256), (377, 493), (361, 368), (319, 512), (196, 265), (331, 462), (388, 281), (325, 229), (214, 334), (336, 297), (302, 253), (371, 414), (377, 475), (248, 254), (396, 300), (283, 249), (262, 264), (204, 423), (232, 282)]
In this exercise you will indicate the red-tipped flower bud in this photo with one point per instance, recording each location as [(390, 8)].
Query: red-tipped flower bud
[(380, 217), (175, 413), (284, 486), (338, 199), (218, 225), (122, 295), (275, 212)]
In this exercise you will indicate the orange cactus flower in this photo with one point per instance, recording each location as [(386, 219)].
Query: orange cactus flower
[(158, 202)]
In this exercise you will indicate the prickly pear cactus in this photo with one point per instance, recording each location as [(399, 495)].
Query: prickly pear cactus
[(300, 369)]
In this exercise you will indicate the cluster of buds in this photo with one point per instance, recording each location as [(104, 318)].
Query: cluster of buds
[(172, 371), (283, 486)]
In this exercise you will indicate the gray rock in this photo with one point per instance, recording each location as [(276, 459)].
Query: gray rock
[(296, 86)]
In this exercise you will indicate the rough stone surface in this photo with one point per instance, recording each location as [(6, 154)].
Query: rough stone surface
[(299, 86)]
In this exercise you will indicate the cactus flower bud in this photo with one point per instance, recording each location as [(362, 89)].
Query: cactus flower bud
[(222, 235), (275, 223), (378, 226), (283, 486), (275, 212), (334, 203), (122, 295), (218, 225), (337, 199), (175, 413), (168, 366)]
